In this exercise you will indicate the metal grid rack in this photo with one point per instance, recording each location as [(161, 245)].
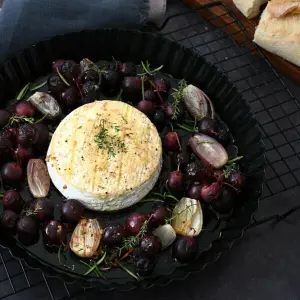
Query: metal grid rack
[(274, 106)]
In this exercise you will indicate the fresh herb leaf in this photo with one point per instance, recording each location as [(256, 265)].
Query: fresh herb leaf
[(95, 265), (23, 92), (177, 95), (111, 143), (128, 271), (187, 128), (17, 120), (235, 159), (228, 169), (62, 77), (38, 86), (148, 71)]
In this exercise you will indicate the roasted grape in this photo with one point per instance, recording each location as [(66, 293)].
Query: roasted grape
[(146, 107), (113, 235), (159, 119), (145, 265), (237, 179), (158, 216), (70, 70), (27, 135), (4, 118), (197, 173), (90, 91), (69, 98), (111, 83), (162, 85), (28, 230), (9, 219), (185, 249), (150, 245), (225, 203), (132, 89), (72, 211), (171, 141), (208, 126), (90, 75), (43, 209), (6, 142), (12, 201), (12, 173), (127, 69), (23, 154), (42, 136), (173, 113), (55, 233), (56, 84), (150, 95), (194, 191), (175, 182), (57, 65), (211, 192), (134, 223), (25, 109)]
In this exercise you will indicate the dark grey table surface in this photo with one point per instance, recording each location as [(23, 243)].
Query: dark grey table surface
[(265, 263)]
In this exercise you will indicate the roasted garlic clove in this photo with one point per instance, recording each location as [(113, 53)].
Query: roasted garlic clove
[(38, 178), (86, 238), (197, 103), (187, 218), (166, 234)]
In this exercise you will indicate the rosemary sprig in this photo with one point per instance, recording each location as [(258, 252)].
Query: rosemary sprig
[(133, 241), (34, 88), (97, 271), (128, 271), (187, 128), (23, 92), (95, 265), (148, 71), (111, 143), (177, 95), (235, 159), (62, 77)]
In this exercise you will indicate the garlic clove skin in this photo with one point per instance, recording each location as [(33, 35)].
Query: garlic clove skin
[(46, 105), (166, 234), (187, 218), (208, 150), (86, 238), (38, 178), (197, 102)]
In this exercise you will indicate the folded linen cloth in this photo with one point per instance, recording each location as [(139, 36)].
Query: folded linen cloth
[(25, 22)]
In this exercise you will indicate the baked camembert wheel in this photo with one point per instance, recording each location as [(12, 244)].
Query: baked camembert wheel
[(106, 154)]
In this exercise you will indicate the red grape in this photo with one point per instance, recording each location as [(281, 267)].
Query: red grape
[(134, 223), (57, 65), (27, 135), (42, 136), (211, 192), (150, 245), (4, 118), (12, 201), (69, 97), (175, 181), (43, 209), (25, 109), (171, 141), (12, 173), (194, 191), (185, 249), (55, 233), (9, 219), (23, 154), (158, 216), (127, 69), (237, 179), (113, 235), (146, 107), (162, 85), (72, 211), (150, 95)]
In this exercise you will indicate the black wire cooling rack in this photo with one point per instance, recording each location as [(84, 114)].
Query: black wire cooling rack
[(273, 104)]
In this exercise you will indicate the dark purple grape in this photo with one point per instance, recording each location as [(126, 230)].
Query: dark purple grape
[(4, 118), (114, 66), (185, 249), (56, 84), (132, 89), (25, 109), (55, 233), (72, 211), (134, 223), (150, 95), (145, 265), (69, 98), (70, 70), (180, 160), (12, 173), (175, 182), (57, 65), (146, 107), (27, 135), (172, 114), (162, 85), (208, 126), (27, 229), (225, 203), (159, 119), (9, 219), (127, 69), (6, 143), (90, 92), (194, 191), (219, 175), (158, 216), (113, 235), (42, 136), (171, 141), (90, 75), (211, 192), (150, 245), (196, 173), (237, 179), (223, 133), (111, 82), (43, 209), (23, 154), (12, 201)]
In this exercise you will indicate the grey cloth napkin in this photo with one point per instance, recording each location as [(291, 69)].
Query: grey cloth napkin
[(25, 22)]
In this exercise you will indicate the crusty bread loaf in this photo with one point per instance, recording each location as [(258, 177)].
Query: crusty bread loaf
[(249, 8), (280, 36)]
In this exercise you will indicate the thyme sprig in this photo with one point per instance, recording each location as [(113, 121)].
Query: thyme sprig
[(111, 143), (177, 95), (17, 120), (231, 166), (147, 70)]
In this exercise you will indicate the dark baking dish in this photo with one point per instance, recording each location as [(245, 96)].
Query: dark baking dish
[(126, 45)]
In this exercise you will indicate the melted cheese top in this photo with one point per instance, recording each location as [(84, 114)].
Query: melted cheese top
[(134, 157)]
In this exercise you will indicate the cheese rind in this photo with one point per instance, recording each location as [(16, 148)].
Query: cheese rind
[(102, 180)]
